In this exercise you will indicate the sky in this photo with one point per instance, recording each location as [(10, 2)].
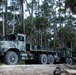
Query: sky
[(25, 13)]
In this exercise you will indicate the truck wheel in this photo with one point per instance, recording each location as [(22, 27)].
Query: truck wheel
[(43, 59), (69, 61), (50, 59), (11, 58)]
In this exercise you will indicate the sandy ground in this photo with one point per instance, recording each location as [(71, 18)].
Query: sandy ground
[(30, 69)]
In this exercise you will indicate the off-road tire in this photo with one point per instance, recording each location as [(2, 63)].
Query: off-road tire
[(43, 59), (11, 58), (69, 61), (50, 59)]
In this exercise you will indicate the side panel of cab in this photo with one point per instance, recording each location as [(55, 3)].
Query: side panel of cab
[(21, 42)]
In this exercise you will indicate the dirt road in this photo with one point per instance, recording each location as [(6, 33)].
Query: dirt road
[(31, 69)]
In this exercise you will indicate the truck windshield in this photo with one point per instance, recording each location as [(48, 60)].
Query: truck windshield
[(9, 37)]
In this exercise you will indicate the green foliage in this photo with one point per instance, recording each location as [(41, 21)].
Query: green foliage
[(66, 35), (71, 4), (2, 1), (60, 18), (57, 44), (47, 16), (41, 23), (45, 9), (18, 29), (29, 28), (63, 32)]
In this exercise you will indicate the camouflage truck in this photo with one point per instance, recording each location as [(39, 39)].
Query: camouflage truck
[(17, 47)]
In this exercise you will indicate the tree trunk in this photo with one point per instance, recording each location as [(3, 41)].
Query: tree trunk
[(59, 14), (28, 8), (31, 20), (13, 29), (38, 37), (41, 39), (3, 26), (3, 34), (38, 8), (39, 29), (6, 18), (45, 40), (62, 41), (71, 45), (22, 17), (54, 23), (31, 15)]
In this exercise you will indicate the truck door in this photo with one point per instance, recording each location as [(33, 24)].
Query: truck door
[(21, 42)]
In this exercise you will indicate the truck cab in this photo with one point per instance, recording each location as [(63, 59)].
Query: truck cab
[(13, 48), (17, 41)]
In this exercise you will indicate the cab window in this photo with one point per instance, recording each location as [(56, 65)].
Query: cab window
[(20, 38)]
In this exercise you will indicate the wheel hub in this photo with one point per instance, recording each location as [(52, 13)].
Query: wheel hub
[(44, 59), (12, 59)]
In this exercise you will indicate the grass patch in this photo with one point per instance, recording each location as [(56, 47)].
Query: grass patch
[(21, 62)]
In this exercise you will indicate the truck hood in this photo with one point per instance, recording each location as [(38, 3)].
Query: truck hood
[(8, 44)]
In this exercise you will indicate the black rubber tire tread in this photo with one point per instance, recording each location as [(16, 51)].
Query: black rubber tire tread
[(43, 59), (69, 61), (50, 59), (8, 56)]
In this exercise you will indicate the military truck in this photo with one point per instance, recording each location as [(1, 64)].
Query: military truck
[(17, 47)]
